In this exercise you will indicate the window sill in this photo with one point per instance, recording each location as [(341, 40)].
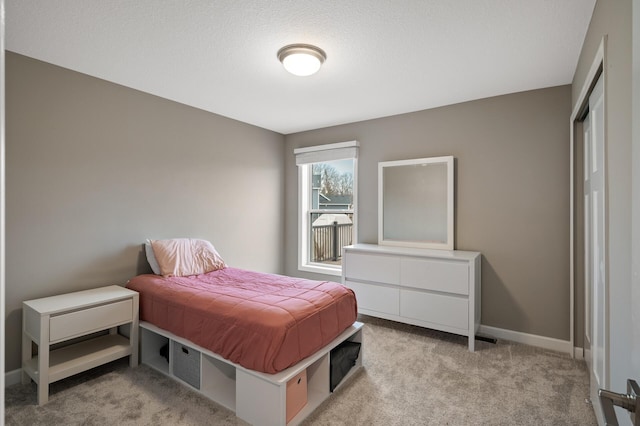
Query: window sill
[(321, 269)]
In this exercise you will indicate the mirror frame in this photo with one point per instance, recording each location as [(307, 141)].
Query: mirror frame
[(445, 245)]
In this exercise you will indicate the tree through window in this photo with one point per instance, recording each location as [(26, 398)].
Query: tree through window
[(331, 213)]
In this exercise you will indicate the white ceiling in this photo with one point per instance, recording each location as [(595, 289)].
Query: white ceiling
[(383, 57)]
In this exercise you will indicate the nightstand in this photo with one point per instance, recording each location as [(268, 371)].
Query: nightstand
[(56, 319)]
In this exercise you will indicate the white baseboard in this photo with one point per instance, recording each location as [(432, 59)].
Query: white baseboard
[(527, 339), (12, 377)]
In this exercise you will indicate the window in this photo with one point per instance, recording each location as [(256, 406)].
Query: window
[(327, 177)]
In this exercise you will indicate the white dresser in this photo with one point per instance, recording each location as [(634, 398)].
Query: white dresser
[(437, 289), (56, 319)]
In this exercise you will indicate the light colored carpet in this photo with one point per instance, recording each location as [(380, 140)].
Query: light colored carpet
[(412, 376)]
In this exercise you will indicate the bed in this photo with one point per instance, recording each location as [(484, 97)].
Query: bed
[(253, 332), (263, 322)]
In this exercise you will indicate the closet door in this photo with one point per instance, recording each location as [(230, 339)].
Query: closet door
[(586, 126), (596, 300)]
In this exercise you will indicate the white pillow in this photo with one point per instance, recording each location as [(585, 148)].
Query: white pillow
[(151, 258), (181, 257)]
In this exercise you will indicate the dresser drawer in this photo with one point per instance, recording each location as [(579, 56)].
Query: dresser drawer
[(437, 275), (372, 267), (78, 323), (376, 297), (450, 311)]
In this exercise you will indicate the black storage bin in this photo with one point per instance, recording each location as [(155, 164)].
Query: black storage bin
[(343, 358), (164, 351), (186, 364)]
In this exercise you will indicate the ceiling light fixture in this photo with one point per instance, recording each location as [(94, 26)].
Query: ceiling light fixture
[(301, 59)]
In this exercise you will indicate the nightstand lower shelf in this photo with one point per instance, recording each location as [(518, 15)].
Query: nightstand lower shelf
[(70, 360)]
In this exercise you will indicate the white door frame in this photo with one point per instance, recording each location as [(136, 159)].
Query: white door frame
[(2, 201), (635, 172), (598, 68)]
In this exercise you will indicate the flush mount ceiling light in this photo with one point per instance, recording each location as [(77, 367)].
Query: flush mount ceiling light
[(301, 59)]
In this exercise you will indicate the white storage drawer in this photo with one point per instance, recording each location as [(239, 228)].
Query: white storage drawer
[(79, 323), (377, 298), (437, 275), (451, 311), (378, 268)]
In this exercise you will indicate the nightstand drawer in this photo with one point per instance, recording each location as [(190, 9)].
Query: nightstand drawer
[(79, 323)]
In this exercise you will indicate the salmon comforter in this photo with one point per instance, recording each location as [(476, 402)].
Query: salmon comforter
[(263, 322)]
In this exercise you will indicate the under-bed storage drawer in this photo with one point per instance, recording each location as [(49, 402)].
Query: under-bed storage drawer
[(377, 298), (186, 363), (450, 311), (80, 323), (296, 394)]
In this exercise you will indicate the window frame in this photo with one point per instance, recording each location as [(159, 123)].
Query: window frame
[(305, 158)]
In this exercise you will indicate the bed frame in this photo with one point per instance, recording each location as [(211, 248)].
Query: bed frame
[(255, 397)]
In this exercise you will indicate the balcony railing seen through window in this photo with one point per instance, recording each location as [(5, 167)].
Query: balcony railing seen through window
[(330, 231)]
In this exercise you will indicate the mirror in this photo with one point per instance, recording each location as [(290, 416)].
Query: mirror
[(415, 203)]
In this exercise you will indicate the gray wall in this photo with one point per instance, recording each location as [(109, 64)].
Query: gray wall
[(512, 195), (94, 168), (613, 19)]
